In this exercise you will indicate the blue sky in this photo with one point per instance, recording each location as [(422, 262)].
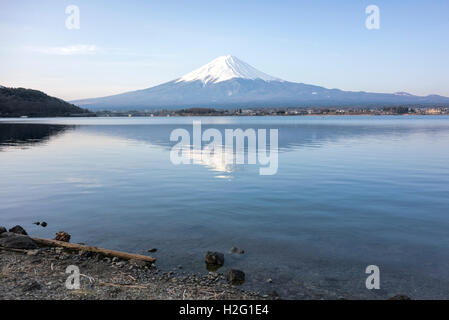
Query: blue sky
[(129, 45)]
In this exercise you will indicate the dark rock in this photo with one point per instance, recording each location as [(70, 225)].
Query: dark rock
[(44, 224), (18, 230), (214, 258), (235, 277), (237, 250), (7, 234), (62, 236), (32, 286), (2, 230), (152, 250), (98, 256), (86, 254), (17, 241), (400, 297)]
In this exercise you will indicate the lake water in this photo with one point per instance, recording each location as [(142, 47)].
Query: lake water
[(349, 192)]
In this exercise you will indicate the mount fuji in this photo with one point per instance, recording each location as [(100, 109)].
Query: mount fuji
[(228, 82)]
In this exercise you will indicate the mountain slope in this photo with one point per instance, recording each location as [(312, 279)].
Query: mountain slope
[(17, 102), (229, 82)]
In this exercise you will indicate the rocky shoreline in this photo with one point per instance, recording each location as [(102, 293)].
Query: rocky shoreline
[(30, 271)]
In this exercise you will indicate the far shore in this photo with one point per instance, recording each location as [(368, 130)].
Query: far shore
[(233, 115)]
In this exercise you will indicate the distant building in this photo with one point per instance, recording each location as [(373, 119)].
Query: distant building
[(433, 111)]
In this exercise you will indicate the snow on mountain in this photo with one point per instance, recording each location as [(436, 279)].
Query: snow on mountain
[(225, 68), (405, 94)]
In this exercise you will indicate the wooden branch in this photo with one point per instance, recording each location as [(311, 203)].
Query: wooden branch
[(131, 286), (14, 250), (105, 252)]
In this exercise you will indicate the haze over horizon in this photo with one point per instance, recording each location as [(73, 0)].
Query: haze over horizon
[(122, 47)]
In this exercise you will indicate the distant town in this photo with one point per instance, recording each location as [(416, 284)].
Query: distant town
[(279, 112), (20, 102)]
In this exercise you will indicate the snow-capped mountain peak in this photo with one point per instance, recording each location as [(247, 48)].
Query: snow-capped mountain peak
[(225, 68)]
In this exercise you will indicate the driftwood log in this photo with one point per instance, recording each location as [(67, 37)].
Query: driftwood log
[(105, 252), (14, 250)]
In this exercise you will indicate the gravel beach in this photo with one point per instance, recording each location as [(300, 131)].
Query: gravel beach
[(41, 274)]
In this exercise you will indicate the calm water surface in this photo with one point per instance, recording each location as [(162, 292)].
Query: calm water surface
[(349, 192)]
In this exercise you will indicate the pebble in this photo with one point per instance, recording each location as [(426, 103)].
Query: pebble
[(237, 250), (32, 252)]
